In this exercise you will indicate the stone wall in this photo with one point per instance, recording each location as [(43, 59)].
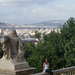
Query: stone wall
[(40, 74)]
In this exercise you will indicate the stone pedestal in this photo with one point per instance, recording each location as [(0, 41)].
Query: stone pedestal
[(27, 71), (12, 64), (15, 67)]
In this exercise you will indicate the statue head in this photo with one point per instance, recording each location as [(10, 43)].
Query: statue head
[(13, 33)]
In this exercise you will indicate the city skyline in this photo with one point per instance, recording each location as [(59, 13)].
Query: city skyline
[(34, 11)]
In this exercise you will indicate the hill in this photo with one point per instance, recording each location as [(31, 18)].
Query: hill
[(50, 23)]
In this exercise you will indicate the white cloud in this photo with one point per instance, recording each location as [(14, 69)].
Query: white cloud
[(57, 12), (34, 14), (23, 2)]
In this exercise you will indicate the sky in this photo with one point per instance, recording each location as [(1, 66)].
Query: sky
[(35, 11)]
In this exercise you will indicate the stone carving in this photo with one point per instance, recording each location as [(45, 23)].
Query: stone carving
[(13, 47), (13, 57), (6, 47)]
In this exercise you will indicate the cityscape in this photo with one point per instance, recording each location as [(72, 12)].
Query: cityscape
[(27, 32)]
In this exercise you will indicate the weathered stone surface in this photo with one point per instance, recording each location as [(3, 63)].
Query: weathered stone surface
[(13, 47), (27, 71), (12, 65), (40, 74)]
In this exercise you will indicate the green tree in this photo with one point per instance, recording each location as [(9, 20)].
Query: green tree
[(29, 48), (37, 35), (68, 42), (49, 49), (58, 48)]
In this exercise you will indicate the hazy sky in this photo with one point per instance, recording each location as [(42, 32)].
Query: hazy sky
[(34, 11)]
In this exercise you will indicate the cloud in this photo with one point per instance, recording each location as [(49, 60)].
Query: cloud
[(34, 14), (23, 2), (57, 12)]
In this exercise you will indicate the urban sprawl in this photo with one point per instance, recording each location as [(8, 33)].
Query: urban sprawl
[(26, 32)]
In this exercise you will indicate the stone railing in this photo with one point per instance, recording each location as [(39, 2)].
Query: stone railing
[(64, 71)]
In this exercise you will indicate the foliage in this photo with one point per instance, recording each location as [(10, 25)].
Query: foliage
[(58, 48), (49, 49), (37, 35), (29, 48), (68, 39)]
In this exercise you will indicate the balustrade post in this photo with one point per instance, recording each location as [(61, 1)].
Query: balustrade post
[(70, 72)]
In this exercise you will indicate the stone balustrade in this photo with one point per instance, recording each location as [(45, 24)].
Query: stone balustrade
[(64, 71)]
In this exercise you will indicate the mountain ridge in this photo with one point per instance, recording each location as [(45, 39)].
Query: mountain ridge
[(50, 23), (44, 23)]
